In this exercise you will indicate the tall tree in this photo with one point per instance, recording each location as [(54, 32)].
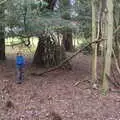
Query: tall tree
[(67, 33), (116, 16), (107, 65), (67, 39), (2, 37), (94, 46)]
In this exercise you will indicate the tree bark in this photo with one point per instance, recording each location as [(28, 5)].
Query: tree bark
[(2, 46), (2, 38), (67, 40), (107, 65), (94, 46)]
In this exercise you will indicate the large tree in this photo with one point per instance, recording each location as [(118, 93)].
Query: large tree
[(108, 48), (2, 36), (67, 32), (94, 46)]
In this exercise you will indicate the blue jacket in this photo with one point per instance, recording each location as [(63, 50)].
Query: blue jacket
[(20, 61)]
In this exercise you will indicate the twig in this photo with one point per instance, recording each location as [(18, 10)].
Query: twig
[(113, 74), (108, 77), (116, 91), (78, 82)]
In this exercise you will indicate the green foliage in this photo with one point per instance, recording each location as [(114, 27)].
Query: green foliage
[(83, 15), (30, 18)]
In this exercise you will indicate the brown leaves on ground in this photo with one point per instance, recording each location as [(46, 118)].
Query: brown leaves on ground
[(54, 96)]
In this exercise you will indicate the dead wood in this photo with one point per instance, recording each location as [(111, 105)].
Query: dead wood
[(110, 80), (78, 82)]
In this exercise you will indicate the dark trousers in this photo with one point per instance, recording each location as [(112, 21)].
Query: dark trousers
[(20, 74)]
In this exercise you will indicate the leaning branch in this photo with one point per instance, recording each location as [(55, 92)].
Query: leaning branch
[(116, 30), (14, 44), (66, 60)]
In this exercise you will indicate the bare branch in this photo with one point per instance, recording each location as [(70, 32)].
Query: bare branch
[(116, 30)]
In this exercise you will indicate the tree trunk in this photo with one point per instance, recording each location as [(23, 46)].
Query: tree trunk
[(51, 4), (39, 54), (2, 38), (94, 46), (67, 40), (107, 66)]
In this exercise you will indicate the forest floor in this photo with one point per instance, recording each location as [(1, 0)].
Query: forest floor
[(55, 94)]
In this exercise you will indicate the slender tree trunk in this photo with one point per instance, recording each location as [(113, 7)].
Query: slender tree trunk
[(67, 40), (107, 66), (104, 32), (2, 38), (51, 4), (2, 46), (94, 46)]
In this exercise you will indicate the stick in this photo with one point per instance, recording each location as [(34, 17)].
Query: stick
[(66, 60), (78, 82), (108, 77), (116, 30)]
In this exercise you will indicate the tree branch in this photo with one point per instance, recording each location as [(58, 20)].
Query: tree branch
[(116, 30)]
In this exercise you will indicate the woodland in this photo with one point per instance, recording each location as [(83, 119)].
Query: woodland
[(72, 59)]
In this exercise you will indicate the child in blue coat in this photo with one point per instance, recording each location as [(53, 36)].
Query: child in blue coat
[(20, 63)]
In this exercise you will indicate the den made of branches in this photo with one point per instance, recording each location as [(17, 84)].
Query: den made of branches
[(50, 50)]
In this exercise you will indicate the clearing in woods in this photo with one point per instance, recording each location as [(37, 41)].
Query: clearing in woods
[(54, 94)]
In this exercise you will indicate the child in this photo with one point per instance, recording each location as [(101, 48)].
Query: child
[(20, 63)]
